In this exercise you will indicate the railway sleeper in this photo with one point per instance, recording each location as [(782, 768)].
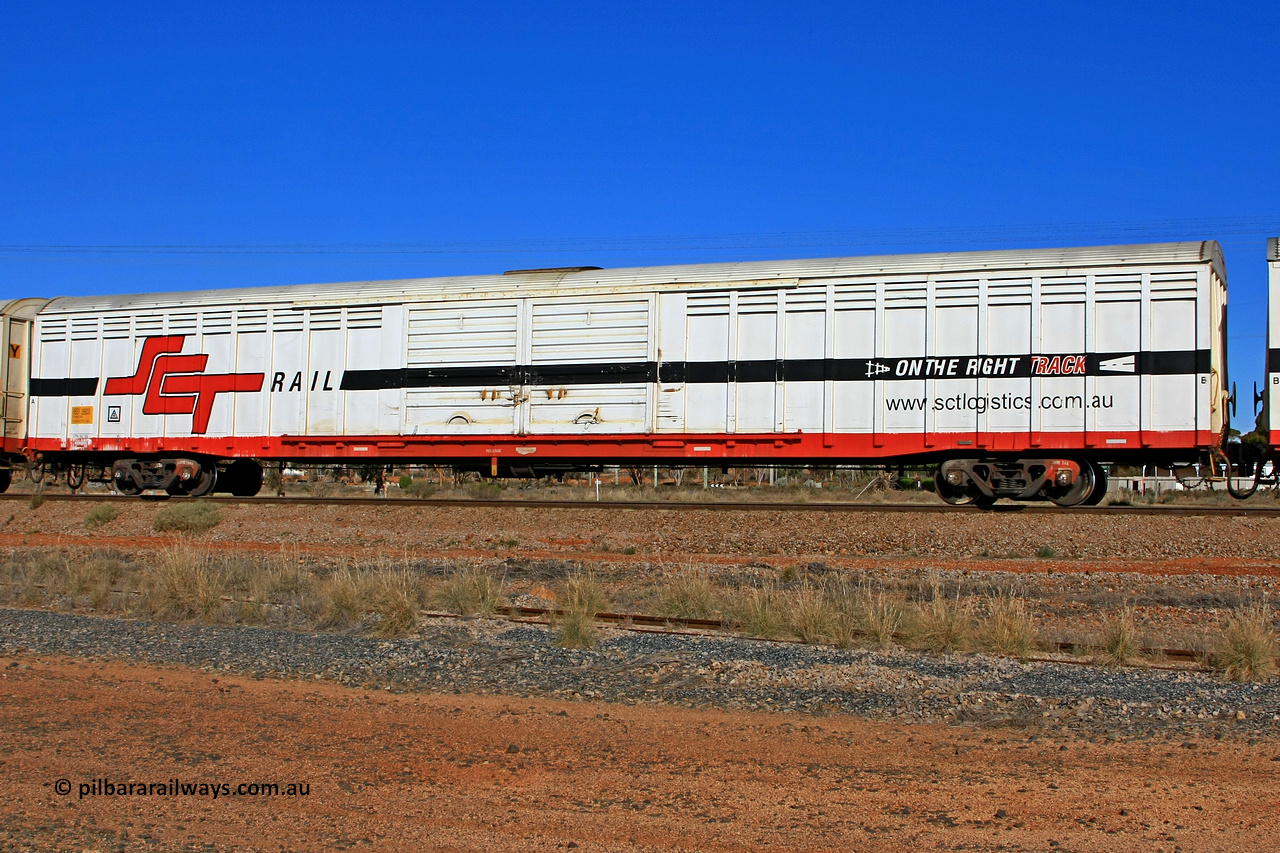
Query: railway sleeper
[(1065, 482)]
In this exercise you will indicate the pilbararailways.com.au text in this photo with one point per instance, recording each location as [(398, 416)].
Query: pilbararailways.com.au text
[(182, 788)]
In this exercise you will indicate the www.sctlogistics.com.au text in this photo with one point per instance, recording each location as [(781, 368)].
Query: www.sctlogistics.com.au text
[(184, 788)]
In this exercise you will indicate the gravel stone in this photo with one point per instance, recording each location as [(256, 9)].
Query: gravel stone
[(498, 656)]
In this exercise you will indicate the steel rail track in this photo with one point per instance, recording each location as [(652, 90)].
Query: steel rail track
[(1181, 658), (684, 506)]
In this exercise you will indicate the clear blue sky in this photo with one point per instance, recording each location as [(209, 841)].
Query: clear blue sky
[(180, 146)]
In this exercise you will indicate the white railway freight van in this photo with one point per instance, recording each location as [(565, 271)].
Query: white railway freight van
[(1017, 372), (1272, 391)]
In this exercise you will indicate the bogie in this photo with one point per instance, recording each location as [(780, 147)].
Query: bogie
[(176, 476), (1065, 482)]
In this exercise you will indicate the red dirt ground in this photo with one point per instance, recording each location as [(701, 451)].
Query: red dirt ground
[(440, 772), (1220, 566), (1173, 546)]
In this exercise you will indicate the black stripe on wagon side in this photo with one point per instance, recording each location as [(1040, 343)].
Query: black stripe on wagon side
[(604, 373), (1170, 363), (789, 370), (63, 387), (624, 373)]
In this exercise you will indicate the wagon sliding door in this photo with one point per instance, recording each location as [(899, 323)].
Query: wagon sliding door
[(902, 343), (707, 401), (1112, 401), (1176, 390), (15, 383), (589, 366), (756, 363), (1006, 423), (463, 368), (953, 406), (1057, 400)]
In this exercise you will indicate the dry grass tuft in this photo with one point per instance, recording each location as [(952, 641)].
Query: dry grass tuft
[(689, 595), (577, 630), (759, 611), (24, 581), (582, 592), (864, 617), (1009, 628), (1121, 645), (470, 591), (813, 619), (877, 618), (394, 597), (342, 600), (183, 584), (941, 624), (581, 598), (1246, 649)]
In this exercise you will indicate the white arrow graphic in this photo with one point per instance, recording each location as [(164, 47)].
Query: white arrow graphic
[(1124, 364)]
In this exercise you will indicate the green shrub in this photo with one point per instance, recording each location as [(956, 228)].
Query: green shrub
[(185, 517), (101, 515), (484, 491), (908, 484), (420, 488)]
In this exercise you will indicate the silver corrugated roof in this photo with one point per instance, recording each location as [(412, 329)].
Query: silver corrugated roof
[(760, 273), (1273, 249)]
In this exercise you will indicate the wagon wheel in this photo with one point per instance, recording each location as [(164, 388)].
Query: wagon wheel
[(199, 485), (1078, 492), (1099, 485), (956, 496), (124, 484)]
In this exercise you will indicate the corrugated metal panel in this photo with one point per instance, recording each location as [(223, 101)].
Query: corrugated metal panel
[(596, 331), (478, 335), (695, 276)]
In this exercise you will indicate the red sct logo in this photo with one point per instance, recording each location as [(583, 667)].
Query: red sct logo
[(177, 384)]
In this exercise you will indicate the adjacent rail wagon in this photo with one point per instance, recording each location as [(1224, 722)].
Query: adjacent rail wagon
[(1272, 390), (1016, 373)]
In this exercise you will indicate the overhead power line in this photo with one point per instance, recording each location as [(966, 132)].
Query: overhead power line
[(1111, 232)]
